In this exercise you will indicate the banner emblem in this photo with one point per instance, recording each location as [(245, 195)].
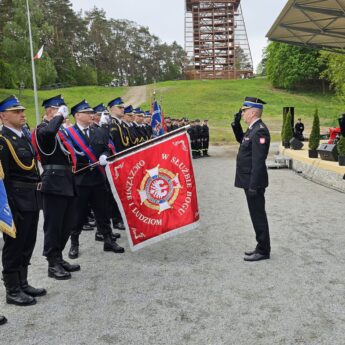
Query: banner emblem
[(159, 189)]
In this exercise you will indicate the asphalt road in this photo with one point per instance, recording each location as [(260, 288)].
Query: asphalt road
[(195, 289)]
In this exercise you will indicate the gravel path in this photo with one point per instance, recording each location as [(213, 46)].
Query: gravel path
[(195, 289), (135, 96)]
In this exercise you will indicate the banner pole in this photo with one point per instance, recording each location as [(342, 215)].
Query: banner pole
[(134, 148)]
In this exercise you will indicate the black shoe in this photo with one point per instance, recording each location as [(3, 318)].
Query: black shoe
[(3, 320), (99, 237), (257, 257), (91, 221), (119, 225), (110, 246), (34, 292), (250, 252), (88, 227), (73, 252), (28, 289), (69, 267), (19, 298), (14, 294), (57, 272)]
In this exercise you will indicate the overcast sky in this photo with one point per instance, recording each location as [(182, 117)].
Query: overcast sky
[(165, 18)]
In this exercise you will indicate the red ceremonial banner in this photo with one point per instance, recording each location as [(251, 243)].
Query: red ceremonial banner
[(155, 189)]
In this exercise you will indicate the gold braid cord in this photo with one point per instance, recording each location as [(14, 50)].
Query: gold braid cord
[(15, 157), (121, 135), (133, 142), (2, 174)]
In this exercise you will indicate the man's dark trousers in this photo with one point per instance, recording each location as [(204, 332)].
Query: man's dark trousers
[(256, 205)]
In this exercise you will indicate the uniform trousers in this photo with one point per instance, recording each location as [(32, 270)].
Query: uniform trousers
[(98, 198), (17, 252), (58, 222), (256, 205), (114, 212)]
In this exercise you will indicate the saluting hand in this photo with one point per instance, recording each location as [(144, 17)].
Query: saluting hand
[(63, 110), (238, 116)]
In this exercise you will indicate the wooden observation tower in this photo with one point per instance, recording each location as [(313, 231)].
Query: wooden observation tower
[(216, 40)]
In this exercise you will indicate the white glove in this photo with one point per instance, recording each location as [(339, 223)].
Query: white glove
[(105, 119), (63, 110), (103, 160)]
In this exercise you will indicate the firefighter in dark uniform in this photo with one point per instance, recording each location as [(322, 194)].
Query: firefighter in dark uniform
[(100, 115), (117, 127), (205, 134), (22, 181), (198, 136), (192, 135), (130, 127), (299, 128), (91, 183), (251, 171), (58, 186), (119, 135), (140, 127), (147, 122)]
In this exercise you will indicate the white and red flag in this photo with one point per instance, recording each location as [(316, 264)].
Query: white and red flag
[(39, 53), (155, 189)]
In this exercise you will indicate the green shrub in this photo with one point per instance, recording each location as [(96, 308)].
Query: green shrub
[(341, 146), (283, 125), (287, 131), (314, 139)]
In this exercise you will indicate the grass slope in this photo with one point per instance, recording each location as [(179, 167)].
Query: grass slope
[(218, 100)]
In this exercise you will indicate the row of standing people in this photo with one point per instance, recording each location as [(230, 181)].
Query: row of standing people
[(64, 194), (199, 134)]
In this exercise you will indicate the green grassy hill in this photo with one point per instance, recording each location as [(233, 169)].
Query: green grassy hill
[(216, 100)]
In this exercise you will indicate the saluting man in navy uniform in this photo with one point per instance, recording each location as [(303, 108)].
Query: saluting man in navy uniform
[(251, 171), (58, 186)]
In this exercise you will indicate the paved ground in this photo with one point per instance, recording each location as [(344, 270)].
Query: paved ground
[(196, 289)]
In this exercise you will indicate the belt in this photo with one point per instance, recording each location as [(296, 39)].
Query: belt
[(27, 185), (57, 167)]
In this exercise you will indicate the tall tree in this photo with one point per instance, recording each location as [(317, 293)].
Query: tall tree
[(287, 65), (15, 55)]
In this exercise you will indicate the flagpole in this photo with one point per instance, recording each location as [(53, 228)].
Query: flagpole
[(134, 148), (33, 66)]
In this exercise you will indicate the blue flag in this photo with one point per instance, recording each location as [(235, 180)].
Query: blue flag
[(6, 220), (156, 121)]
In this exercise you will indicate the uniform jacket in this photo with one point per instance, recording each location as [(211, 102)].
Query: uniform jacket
[(251, 170), (22, 198), (54, 181), (119, 134), (98, 141)]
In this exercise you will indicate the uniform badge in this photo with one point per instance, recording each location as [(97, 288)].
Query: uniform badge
[(14, 138), (262, 140)]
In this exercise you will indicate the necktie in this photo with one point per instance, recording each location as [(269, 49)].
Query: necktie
[(85, 130)]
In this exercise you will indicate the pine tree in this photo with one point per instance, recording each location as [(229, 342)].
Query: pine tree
[(314, 139)]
